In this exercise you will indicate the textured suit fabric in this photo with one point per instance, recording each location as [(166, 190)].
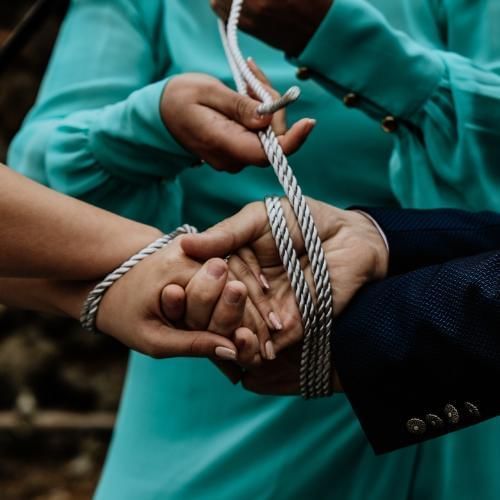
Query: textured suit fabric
[(416, 342)]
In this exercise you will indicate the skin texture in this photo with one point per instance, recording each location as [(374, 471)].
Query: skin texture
[(85, 242), (219, 125), (355, 253), (286, 25)]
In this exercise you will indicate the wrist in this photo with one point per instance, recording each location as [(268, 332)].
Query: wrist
[(71, 297), (142, 237), (310, 20), (380, 246)]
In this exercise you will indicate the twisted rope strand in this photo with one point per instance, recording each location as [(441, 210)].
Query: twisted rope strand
[(315, 362), (298, 283)]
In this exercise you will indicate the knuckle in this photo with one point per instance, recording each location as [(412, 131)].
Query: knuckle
[(193, 345), (241, 268), (260, 299), (195, 324), (239, 109), (203, 297), (223, 322)]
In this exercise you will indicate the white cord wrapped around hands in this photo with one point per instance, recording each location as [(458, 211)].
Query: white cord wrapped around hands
[(315, 371), (88, 316)]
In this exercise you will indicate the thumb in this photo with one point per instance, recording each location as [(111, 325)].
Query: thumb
[(171, 343), (237, 107), (229, 235)]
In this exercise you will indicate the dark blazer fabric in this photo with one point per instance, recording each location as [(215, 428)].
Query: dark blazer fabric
[(418, 354)]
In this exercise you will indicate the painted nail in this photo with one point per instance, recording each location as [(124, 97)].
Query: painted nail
[(216, 269), (264, 282), (270, 352), (275, 321), (225, 353)]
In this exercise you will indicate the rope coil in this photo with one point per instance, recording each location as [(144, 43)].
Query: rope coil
[(90, 308), (315, 372)]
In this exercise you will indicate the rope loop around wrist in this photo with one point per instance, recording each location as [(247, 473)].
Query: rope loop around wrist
[(90, 309)]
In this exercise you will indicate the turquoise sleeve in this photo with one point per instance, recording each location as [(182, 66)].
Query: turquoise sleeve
[(441, 106), (97, 123)]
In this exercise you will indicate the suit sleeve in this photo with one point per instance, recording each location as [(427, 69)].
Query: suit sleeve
[(440, 102), (417, 353), (421, 238)]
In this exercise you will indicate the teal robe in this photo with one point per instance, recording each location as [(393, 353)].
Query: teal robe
[(183, 431)]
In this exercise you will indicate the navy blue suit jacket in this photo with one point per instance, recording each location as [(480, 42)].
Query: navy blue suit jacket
[(418, 354)]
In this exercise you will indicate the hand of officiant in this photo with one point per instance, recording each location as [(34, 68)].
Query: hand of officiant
[(219, 125), (285, 25)]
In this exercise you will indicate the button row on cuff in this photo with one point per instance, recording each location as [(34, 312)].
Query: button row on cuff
[(418, 426), (389, 123)]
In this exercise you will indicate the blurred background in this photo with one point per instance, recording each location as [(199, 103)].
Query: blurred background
[(59, 386)]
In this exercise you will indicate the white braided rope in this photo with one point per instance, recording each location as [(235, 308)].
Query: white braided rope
[(90, 308), (298, 282), (315, 363)]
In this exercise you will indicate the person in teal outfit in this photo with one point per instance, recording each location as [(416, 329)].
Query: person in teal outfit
[(428, 73)]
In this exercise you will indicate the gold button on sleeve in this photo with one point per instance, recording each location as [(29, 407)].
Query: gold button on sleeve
[(303, 73), (351, 100), (389, 124)]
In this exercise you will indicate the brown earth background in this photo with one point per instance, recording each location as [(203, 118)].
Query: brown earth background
[(59, 386)]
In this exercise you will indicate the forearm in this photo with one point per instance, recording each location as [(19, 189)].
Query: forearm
[(56, 297), (49, 235)]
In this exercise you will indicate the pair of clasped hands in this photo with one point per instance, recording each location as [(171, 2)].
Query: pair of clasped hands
[(224, 294)]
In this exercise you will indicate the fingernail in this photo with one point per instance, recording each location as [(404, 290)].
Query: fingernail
[(270, 353), (225, 353), (312, 122), (249, 59), (216, 269), (231, 296), (275, 321), (264, 282)]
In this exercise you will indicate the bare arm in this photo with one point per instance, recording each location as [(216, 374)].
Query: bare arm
[(45, 234), (56, 297)]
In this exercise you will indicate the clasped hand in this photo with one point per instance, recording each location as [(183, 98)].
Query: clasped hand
[(241, 313)]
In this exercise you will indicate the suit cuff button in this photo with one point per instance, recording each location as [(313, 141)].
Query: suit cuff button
[(472, 410), (416, 426), (451, 414), (434, 422)]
